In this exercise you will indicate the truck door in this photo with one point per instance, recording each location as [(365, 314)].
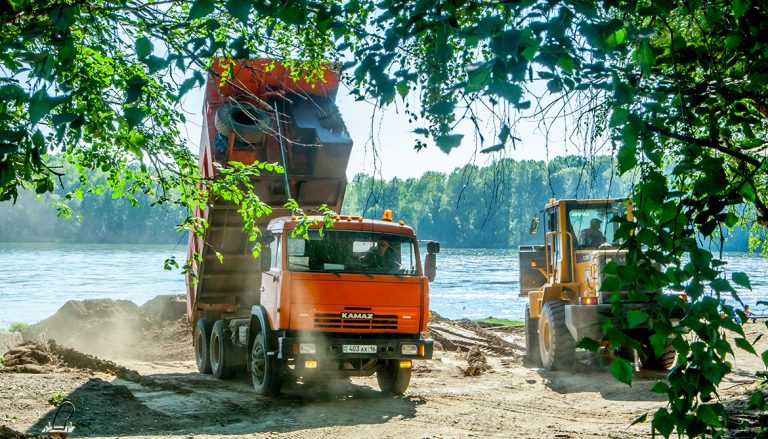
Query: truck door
[(271, 281)]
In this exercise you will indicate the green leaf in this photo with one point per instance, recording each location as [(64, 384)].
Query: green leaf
[(660, 387), (642, 418), (200, 8), (143, 47), (645, 57), (447, 142), (709, 414), (636, 317), (764, 356), (442, 108), (588, 344), (739, 7), (239, 9), (617, 38), (477, 76), (744, 344), (133, 116), (627, 157), (621, 369), (38, 107), (741, 279), (510, 91)]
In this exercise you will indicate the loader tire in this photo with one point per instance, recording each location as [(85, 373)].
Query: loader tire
[(202, 339), (249, 123), (532, 354), (649, 360), (556, 345), (223, 365), (265, 368), (393, 380)]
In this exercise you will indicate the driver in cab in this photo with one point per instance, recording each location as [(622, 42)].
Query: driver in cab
[(381, 257), (592, 237)]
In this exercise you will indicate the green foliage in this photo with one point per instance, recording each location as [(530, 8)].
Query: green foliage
[(17, 326), (57, 397)]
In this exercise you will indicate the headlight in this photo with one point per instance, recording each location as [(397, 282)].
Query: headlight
[(409, 349), (307, 348)]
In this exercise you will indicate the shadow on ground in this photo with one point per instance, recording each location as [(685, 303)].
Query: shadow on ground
[(194, 403)]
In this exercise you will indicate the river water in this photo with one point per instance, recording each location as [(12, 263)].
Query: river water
[(36, 279)]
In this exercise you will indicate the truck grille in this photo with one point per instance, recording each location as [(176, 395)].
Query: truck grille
[(334, 320)]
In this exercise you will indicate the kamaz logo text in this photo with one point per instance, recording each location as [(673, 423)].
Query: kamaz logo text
[(357, 315)]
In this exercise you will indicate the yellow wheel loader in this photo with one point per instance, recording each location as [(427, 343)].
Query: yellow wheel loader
[(562, 280)]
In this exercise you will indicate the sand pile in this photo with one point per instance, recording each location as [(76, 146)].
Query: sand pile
[(120, 329)]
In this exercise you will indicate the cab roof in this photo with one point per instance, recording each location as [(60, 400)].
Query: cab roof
[(343, 222)]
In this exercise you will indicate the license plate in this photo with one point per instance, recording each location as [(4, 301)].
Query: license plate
[(359, 349)]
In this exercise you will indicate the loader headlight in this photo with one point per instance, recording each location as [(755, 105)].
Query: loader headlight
[(409, 349), (307, 348)]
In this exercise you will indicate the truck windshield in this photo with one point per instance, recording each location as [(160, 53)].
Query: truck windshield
[(352, 252), (591, 223)]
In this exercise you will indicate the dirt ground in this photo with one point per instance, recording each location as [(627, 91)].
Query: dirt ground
[(476, 386)]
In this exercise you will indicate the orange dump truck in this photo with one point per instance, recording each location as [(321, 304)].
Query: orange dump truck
[(352, 301)]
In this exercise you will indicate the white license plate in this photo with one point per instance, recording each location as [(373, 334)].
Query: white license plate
[(359, 348)]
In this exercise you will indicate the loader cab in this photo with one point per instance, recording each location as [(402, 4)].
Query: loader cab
[(576, 231)]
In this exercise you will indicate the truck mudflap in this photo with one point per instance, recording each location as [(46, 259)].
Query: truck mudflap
[(333, 348), (586, 320)]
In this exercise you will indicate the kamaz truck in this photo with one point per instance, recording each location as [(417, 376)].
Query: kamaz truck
[(352, 300)]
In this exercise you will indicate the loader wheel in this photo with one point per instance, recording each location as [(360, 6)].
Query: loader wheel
[(532, 353), (202, 340), (249, 123), (556, 346), (393, 380), (265, 371), (649, 361), (222, 352)]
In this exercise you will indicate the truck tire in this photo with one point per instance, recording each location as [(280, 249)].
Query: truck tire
[(265, 370), (556, 345), (393, 380), (649, 361), (532, 354), (222, 352), (249, 123), (202, 340)]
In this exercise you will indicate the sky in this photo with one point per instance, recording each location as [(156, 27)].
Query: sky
[(383, 146)]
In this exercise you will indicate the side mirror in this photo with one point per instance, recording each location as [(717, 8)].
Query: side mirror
[(534, 226), (265, 259), (433, 247), (430, 266), (266, 238)]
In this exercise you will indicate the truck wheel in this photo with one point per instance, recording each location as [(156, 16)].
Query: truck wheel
[(556, 346), (222, 361), (532, 354), (265, 373), (649, 361), (202, 349), (393, 380)]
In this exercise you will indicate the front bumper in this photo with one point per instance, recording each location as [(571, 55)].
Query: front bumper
[(329, 347), (587, 320)]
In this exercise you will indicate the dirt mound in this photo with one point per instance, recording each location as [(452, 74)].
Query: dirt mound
[(462, 335), (476, 363), (29, 357), (8, 433), (120, 329)]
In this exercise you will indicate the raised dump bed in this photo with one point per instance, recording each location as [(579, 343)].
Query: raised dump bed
[(249, 117)]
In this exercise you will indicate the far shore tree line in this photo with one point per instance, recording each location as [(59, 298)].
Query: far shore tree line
[(473, 206)]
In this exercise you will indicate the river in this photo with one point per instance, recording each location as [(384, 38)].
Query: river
[(36, 279)]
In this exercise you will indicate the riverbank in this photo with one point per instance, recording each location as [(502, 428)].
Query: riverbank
[(476, 386)]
